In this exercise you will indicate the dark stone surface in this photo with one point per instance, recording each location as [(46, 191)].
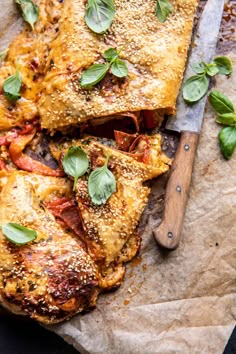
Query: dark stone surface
[(19, 336), (231, 345)]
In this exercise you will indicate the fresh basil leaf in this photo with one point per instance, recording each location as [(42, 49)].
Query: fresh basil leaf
[(11, 86), (227, 138), (119, 68), (212, 69), (93, 75), (199, 68), (195, 88), (221, 103), (75, 163), (3, 55), (99, 15), (227, 119), (110, 54), (224, 65), (101, 184), (163, 9), (18, 234), (30, 11)]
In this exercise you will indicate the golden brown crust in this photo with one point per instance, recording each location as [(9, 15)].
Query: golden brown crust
[(28, 52), (108, 227), (60, 274), (130, 249), (155, 54), (51, 278)]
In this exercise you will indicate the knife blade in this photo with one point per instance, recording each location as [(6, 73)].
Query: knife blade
[(188, 122)]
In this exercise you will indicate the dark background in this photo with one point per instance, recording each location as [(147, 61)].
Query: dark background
[(27, 337), (19, 336)]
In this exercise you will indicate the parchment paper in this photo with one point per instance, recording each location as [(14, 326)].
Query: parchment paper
[(178, 302)]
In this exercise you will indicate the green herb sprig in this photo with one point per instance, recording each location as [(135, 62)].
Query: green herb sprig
[(30, 11), (75, 163), (99, 15), (12, 85), (101, 181), (101, 184), (18, 234), (163, 10), (95, 73), (197, 85), (226, 116)]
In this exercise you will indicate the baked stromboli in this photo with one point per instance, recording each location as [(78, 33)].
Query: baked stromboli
[(53, 277), (81, 248), (154, 52), (110, 229)]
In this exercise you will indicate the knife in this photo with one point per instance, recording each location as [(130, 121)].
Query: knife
[(188, 122)]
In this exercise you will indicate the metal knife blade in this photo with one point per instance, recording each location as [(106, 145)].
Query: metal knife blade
[(189, 118), (188, 121)]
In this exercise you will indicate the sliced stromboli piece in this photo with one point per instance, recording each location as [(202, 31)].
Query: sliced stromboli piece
[(110, 230), (66, 212), (53, 277), (57, 196), (81, 248), (154, 52), (28, 53), (108, 227)]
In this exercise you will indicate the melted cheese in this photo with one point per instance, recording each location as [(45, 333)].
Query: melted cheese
[(31, 276), (51, 63), (29, 52), (154, 52), (109, 226)]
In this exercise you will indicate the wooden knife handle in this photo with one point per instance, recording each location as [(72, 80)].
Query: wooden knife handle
[(169, 231)]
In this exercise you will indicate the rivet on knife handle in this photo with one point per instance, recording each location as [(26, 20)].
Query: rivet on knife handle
[(168, 233)]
